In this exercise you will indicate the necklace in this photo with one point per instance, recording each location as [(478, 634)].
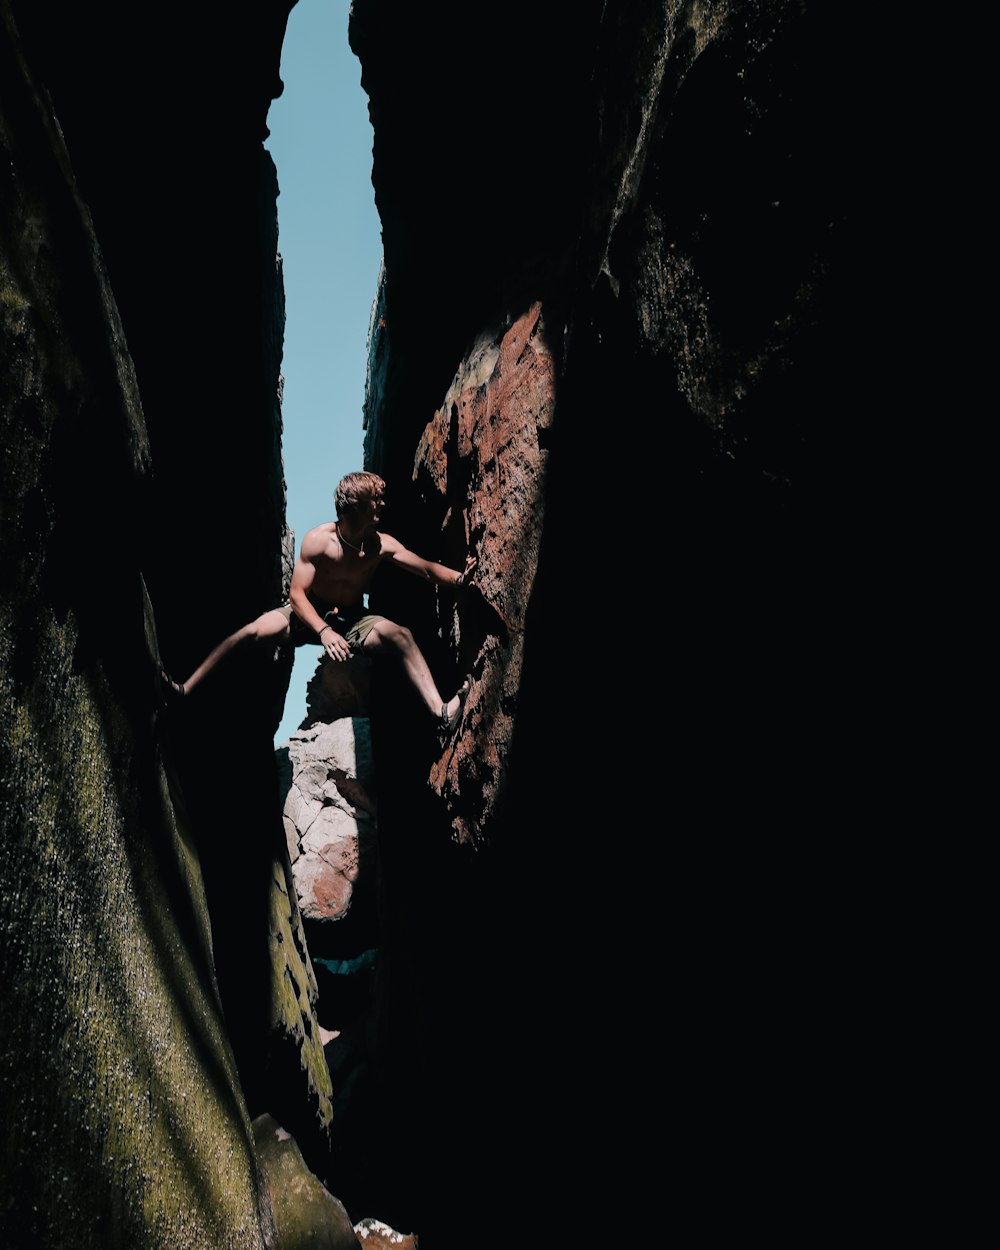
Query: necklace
[(360, 550)]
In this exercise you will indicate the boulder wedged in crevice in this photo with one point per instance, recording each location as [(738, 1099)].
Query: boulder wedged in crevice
[(327, 779)]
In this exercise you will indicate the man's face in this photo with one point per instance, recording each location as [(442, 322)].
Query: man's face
[(373, 510)]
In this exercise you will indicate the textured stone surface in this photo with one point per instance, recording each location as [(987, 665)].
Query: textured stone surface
[(307, 1215), (294, 991), (329, 811), (375, 1235), (338, 689), (192, 259), (489, 433), (125, 1119), (675, 187)]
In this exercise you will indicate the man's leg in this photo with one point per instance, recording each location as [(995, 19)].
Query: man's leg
[(388, 638), (269, 625)]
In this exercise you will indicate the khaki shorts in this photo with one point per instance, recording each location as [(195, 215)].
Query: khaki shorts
[(354, 626)]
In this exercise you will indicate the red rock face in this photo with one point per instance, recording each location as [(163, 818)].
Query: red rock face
[(490, 422)]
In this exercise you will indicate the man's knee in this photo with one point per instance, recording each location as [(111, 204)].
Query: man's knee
[(268, 625), (393, 635)]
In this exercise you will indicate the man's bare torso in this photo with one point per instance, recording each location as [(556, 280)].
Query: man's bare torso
[(341, 574)]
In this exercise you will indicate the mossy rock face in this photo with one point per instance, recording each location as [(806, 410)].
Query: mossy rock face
[(307, 1216), (126, 1125), (294, 992)]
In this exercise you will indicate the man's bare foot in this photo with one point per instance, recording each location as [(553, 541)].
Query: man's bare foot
[(451, 712)]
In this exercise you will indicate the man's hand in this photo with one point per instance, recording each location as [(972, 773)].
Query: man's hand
[(335, 646), (465, 577)]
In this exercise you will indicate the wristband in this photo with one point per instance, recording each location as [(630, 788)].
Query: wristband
[(459, 579), (323, 630)]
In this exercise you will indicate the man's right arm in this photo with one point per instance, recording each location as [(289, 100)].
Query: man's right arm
[(303, 576)]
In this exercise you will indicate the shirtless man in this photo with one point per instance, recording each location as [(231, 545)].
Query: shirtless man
[(335, 568)]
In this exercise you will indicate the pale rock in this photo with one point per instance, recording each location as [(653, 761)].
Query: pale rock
[(329, 806)]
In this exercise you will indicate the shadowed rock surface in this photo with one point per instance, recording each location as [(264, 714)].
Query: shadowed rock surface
[(126, 1121), (616, 355), (307, 1215)]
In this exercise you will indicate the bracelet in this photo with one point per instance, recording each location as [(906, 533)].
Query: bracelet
[(323, 630), (459, 579)]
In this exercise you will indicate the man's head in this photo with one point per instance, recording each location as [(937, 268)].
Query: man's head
[(355, 492)]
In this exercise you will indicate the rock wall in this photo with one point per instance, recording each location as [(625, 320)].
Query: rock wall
[(158, 993), (182, 195), (125, 1117), (616, 358)]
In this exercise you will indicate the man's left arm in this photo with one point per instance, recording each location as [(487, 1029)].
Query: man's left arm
[(429, 570)]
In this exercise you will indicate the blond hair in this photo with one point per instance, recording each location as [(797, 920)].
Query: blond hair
[(356, 489)]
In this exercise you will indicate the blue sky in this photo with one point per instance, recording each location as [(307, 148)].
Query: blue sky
[(330, 242)]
